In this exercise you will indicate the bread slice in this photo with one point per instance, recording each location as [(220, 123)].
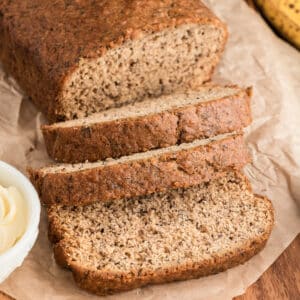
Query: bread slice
[(154, 123), (74, 58), (182, 234), (140, 173)]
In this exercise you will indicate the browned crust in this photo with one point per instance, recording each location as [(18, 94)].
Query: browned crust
[(42, 50), (55, 234), (144, 176), (126, 136), (103, 283)]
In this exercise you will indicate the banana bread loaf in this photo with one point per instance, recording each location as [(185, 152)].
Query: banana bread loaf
[(74, 58)]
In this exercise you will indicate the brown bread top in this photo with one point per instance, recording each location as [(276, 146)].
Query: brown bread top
[(158, 170), (177, 235), (42, 41), (125, 136)]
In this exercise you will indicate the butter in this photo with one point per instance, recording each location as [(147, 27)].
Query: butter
[(13, 217)]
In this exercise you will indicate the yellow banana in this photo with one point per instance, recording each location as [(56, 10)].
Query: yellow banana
[(284, 15)]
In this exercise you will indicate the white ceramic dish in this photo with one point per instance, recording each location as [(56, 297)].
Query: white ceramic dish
[(14, 257)]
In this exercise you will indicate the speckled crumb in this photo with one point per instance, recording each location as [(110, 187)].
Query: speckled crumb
[(183, 227)]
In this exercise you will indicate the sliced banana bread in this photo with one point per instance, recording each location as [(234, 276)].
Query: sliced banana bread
[(74, 58), (141, 173), (182, 234), (150, 124)]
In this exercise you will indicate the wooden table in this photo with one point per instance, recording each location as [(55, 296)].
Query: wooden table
[(281, 281)]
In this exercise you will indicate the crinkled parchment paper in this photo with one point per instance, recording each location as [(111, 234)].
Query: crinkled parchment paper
[(254, 56)]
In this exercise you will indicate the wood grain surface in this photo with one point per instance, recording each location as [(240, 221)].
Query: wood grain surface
[(281, 281)]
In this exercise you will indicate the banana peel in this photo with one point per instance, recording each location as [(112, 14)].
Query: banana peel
[(284, 16)]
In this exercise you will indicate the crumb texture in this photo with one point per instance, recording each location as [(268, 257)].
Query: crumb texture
[(141, 173), (102, 54), (146, 68), (153, 123), (178, 99), (162, 233)]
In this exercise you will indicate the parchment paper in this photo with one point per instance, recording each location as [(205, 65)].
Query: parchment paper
[(254, 56)]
